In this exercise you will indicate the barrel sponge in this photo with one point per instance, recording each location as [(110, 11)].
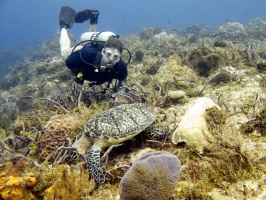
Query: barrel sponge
[(152, 176)]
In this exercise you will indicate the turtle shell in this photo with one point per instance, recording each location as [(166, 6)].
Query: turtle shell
[(121, 122)]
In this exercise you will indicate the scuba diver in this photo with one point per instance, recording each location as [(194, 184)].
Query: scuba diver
[(97, 58)]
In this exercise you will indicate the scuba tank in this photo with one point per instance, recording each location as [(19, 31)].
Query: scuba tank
[(96, 36)]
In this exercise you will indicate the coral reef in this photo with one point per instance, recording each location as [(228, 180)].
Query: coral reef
[(220, 43), (152, 176), (35, 181), (25, 103), (139, 55), (17, 187), (232, 31), (256, 28), (8, 111), (206, 63), (160, 38), (257, 124), (66, 183), (169, 67), (261, 66), (217, 78), (147, 33)]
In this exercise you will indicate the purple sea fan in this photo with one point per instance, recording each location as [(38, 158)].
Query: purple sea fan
[(154, 176)]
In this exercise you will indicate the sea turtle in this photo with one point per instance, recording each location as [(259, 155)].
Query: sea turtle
[(112, 127)]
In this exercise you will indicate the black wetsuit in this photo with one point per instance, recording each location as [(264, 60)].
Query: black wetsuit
[(91, 73)]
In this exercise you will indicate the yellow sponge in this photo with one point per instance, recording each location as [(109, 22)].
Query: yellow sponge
[(30, 180)]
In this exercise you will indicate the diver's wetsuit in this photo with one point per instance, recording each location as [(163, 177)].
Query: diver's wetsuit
[(91, 73)]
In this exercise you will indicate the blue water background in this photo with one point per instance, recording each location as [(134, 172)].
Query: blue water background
[(29, 22)]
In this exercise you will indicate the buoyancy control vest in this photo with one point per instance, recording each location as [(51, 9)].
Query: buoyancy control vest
[(98, 40)]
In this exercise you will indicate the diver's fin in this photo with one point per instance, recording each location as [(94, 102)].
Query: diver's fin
[(66, 17), (87, 14), (83, 16)]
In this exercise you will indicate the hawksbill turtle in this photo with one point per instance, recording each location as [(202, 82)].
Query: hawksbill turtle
[(113, 127)]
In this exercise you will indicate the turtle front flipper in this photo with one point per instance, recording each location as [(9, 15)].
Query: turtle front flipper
[(93, 160), (156, 132)]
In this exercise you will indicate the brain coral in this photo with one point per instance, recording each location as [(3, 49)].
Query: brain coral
[(152, 176), (56, 130)]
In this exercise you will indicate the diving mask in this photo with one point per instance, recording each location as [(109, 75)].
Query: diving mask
[(111, 56)]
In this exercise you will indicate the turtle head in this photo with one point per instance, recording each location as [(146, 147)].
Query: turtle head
[(82, 143)]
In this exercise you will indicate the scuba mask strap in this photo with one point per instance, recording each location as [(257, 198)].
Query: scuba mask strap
[(129, 59)]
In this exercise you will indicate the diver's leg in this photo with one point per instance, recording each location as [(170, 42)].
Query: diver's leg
[(92, 28), (66, 19), (65, 43), (88, 14)]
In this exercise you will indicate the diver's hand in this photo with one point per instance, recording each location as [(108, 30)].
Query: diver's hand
[(120, 87), (120, 90), (79, 80)]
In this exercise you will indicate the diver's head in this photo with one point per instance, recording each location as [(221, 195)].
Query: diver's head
[(111, 52)]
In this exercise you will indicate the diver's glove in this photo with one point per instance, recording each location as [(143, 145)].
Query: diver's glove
[(119, 88)]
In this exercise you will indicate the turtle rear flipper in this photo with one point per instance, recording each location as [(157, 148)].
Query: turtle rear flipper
[(93, 160)]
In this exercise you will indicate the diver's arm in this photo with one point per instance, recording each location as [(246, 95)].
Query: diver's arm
[(122, 75)]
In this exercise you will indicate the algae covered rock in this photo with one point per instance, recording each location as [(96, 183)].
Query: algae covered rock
[(232, 30), (172, 74), (256, 28), (152, 176), (208, 63), (176, 94)]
